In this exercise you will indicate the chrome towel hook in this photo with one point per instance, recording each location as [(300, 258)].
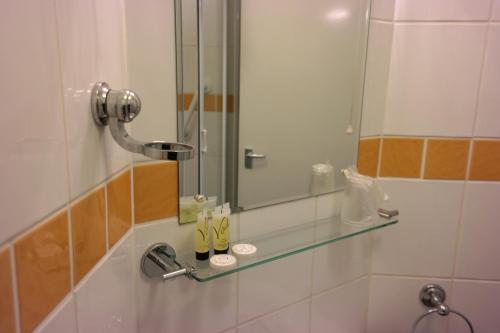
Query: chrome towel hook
[(433, 296)]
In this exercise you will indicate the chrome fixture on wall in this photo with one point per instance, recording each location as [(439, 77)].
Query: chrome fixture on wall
[(117, 107), (159, 263), (433, 296)]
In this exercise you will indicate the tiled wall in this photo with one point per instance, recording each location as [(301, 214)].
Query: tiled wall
[(445, 158), (76, 223), (431, 133)]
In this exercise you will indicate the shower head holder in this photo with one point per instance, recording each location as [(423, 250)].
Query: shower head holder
[(114, 108)]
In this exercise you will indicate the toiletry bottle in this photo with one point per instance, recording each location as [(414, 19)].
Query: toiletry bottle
[(220, 228), (201, 236)]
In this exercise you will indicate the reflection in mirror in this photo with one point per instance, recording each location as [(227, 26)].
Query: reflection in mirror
[(282, 92)]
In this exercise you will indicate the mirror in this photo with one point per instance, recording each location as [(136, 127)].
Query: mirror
[(282, 85)]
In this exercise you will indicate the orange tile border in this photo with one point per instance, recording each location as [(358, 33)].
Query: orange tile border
[(446, 159), (485, 161), (7, 316), (42, 269), (213, 103), (119, 207), (401, 157), (88, 228), (155, 191), (368, 154)]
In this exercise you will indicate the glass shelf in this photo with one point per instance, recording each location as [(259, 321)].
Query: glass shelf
[(285, 242)]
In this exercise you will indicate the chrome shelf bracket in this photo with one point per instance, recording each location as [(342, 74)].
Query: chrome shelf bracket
[(115, 108), (159, 263)]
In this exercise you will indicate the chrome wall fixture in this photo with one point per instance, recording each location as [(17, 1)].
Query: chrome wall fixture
[(433, 297), (114, 108), (159, 263)]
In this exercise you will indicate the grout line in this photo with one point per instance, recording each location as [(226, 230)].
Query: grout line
[(424, 159), (481, 72), (472, 280), (62, 104), (469, 160), (149, 162), (70, 250), (368, 307), (458, 235), (237, 315), (379, 157), (273, 312), (134, 250), (102, 261), (343, 284), (15, 293), (405, 276), (97, 186), (106, 217), (416, 136), (432, 22), (58, 210), (21, 233)]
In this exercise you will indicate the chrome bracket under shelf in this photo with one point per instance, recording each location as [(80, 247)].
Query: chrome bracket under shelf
[(159, 263)]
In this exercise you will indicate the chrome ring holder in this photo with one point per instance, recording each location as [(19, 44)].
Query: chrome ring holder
[(114, 108), (159, 263), (433, 296)]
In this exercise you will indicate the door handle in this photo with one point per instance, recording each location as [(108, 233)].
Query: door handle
[(204, 147), (249, 157)]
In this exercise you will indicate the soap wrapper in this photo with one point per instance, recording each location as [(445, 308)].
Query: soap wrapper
[(362, 198)]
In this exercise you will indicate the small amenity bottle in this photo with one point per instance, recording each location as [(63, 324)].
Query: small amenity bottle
[(220, 228), (201, 236)]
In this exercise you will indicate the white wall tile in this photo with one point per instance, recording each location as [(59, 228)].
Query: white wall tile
[(479, 302), (434, 75), (110, 24), (93, 155), (340, 262), (495, 15), (292, 319), (428, 221), (105, 299), (262, 220), (478, 245), (383, 9), (184, 305), (344, 309), (394, 306), (61, 319), (274, 285), (170, 306), (488, 113), (376, 78), (442, 10), (32, 130)]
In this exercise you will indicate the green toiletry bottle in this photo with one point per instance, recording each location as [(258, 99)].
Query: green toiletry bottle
[(220, 229), (201, 236)]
